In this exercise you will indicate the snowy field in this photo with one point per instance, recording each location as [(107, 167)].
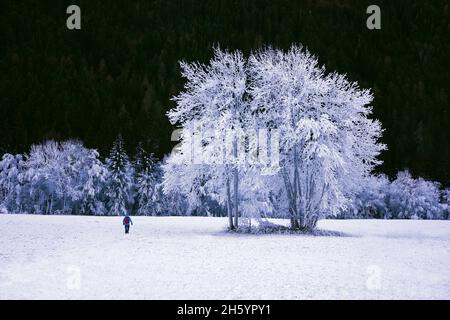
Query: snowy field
[(72, 257)]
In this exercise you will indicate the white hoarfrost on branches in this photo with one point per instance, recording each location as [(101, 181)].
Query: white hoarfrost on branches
[(212, 113), (327, 142), (56, 177)]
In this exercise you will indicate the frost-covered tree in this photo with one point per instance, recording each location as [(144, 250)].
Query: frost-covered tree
[(63, 177), (328, 143), (411, 198), (213, 102), (175, 202), (119, 181), (88, 181), (11, 174), (47, 178)]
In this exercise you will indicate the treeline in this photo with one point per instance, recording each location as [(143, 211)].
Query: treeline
[(68, 178)]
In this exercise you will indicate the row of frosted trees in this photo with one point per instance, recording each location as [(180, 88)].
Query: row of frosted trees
[(67, 178)]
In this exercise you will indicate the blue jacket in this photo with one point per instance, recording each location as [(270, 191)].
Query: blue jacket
[(129, 220)]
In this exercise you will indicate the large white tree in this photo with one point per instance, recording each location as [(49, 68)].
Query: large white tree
[(212, 104), (328, 143), (61, 177)]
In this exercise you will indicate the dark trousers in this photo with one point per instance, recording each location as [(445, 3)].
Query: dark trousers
[(127, 228)]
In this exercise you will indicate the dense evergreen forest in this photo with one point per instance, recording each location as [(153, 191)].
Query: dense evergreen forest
[(118, 73)]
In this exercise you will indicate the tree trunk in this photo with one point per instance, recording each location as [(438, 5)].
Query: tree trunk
[(236, 186), (51, 205), (64, 203), (294, 224), (229, 211), (236, 200)]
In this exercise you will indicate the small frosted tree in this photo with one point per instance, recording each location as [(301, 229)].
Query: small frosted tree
[(46, 177), (12, 168), (119, 181), (411, 198), (88, 181), (62, 177), (146, 180), (370, 199)]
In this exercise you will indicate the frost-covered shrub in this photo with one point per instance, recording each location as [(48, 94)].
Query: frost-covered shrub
[(369, 200), (411, 198)]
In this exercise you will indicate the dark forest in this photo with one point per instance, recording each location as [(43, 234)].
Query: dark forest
[(118, 73)]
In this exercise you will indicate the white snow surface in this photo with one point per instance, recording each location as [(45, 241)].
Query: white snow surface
[(80, 257)]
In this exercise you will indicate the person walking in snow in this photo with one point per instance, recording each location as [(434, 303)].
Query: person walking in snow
[(126, 222)]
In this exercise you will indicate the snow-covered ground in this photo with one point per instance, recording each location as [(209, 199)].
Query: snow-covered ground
[(72, 257)]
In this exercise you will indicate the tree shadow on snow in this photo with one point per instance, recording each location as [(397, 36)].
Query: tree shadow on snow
[(268, 228)]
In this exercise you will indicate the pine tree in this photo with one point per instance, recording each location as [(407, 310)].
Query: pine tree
[(120, 178), (146, 180)]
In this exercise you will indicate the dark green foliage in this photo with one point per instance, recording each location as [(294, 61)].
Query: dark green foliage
[(119, 72)]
